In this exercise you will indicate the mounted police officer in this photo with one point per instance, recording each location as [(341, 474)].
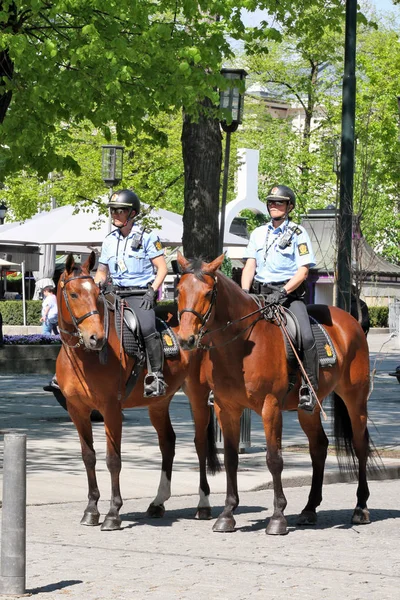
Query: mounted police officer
[(279, 254), (135, 260)]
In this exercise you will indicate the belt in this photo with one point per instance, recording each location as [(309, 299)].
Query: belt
[(267, 286), (131, 288)]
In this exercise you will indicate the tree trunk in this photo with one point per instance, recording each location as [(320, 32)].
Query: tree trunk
[(6, 72), (202, 159)]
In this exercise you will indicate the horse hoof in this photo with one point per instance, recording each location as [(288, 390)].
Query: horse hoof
[(307, 517), (156, 511), (277, 527), (203, 513), (111, 524), (360, 516), (224, 525), (90, 519)]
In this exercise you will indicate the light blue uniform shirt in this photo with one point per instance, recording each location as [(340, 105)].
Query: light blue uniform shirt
[(127, 266), (274, 264)]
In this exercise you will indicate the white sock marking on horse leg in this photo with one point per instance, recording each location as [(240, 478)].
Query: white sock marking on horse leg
[(204, 501), (164, 490)]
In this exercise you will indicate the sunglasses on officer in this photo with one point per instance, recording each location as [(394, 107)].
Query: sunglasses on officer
[(277, 202), (118, 211)]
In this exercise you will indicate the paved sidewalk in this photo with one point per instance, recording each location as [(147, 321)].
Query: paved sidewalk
[(179, 558)]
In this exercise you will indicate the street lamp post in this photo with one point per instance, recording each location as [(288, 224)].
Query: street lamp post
[(112, 160), (347, 160), (231, 102), (3, 211)]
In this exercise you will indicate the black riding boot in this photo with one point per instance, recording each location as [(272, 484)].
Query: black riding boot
[(154, 384), (307, 400)]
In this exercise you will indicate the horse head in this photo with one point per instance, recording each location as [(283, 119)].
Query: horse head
[(197, 289), (78, 312)]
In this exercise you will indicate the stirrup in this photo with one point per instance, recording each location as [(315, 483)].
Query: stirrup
[(307, 400), (52, 385), (154, 385)]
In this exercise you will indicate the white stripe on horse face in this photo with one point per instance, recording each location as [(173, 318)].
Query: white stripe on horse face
[(87, 285), (164, 490), (204, 501)]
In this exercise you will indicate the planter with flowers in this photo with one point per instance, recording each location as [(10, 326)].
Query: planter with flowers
[(29, 354)]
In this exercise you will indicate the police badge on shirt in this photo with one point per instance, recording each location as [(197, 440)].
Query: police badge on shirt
[(303, 249), (158, 244)]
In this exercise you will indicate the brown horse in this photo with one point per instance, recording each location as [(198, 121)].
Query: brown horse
[(87, 384), (246, 366)]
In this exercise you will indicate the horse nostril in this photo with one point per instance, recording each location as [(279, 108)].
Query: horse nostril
[(93, 340), (191, 341)]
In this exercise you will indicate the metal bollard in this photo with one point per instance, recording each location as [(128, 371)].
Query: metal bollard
[(245, 432), (13, 524)]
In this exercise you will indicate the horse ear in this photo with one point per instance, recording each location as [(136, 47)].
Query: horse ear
[(89, 264), (215, 264), (182, 260), (70, 264)]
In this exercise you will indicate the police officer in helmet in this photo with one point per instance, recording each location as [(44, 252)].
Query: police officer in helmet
[(279, 254), (135, 260)]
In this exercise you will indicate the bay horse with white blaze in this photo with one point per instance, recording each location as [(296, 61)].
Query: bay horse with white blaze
[(88, 384), (246, 366)]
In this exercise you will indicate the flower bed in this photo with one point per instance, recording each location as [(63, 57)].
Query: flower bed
[(29, 340)]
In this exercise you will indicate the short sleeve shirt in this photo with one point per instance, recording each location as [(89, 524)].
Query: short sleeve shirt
[(51, 302), (131, 266), (274, 264)]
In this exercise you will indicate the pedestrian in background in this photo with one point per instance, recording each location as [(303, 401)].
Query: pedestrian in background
[(49, 316)]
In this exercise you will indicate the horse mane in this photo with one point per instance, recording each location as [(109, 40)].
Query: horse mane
[(195, 267)]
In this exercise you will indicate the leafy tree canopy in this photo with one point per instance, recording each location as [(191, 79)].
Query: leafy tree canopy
[(66, 61)]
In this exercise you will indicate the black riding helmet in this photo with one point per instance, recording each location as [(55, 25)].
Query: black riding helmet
[(125, 199), (282, 192)]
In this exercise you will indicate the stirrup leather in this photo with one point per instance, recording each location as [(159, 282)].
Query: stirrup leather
[(154, 385)]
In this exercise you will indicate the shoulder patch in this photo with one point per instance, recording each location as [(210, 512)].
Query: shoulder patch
[(298, 230), (303, 249), (158, 245)]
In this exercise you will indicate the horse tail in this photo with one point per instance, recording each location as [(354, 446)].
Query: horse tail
[(343, 433), (213, 462)]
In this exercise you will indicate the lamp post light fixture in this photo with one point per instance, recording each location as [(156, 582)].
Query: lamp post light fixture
[(112, 160), (231, 102), (3, 211), (111, 164)]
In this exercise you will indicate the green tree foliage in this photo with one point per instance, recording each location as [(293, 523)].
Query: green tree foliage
[(305, 73)]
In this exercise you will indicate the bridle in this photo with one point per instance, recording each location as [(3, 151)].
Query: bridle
[(205, 317), (76, 321)]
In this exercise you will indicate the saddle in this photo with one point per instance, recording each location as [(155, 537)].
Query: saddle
[(325, 348), (128, 330)]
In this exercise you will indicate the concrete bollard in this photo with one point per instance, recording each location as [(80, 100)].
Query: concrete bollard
[(13, 523)]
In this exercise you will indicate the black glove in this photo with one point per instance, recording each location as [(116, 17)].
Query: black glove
[(149, 299), (276, 296)]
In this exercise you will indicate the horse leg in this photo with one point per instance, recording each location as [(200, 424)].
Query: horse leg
[(83, 425), (113, 428), (318, 446), (201, 417), (160, 419), (357, 412), (272, 420), (230, 426)]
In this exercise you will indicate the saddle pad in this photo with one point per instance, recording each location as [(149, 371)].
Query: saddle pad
[(131, 342), (326, 350), (170, 343)]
